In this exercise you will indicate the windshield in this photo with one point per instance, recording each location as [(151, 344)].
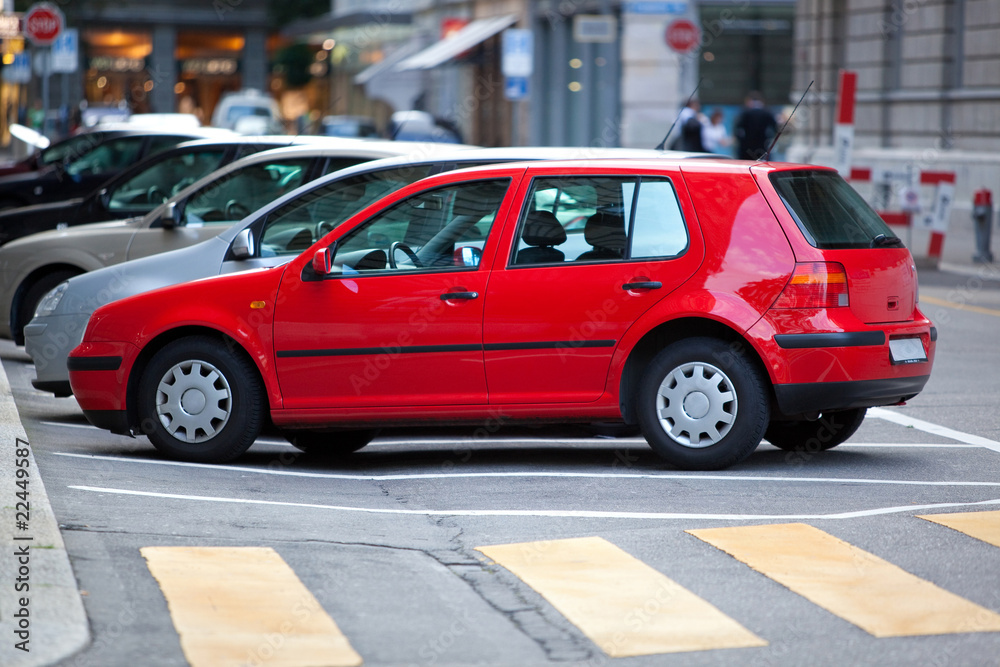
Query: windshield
[(829, 212)]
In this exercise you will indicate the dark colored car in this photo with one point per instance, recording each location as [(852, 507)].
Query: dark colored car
[(138, 189), (86, 161)]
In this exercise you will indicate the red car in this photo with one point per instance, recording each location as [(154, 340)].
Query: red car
[(712, 303)]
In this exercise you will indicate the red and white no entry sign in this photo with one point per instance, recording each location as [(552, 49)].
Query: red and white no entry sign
[(683, 35), (42, 23)]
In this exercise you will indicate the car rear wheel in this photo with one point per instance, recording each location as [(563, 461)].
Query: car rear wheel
[(201, 401), (335, 443), (33, 296), (830, 430), (702, 404)]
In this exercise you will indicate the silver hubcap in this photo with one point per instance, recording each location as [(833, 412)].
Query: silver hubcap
[(193, 401), (696, 405)]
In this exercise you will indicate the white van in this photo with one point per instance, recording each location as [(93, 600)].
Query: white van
[(248, 112)]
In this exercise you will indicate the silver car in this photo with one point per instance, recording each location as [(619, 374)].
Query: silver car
[(271, 236), (32, 265)]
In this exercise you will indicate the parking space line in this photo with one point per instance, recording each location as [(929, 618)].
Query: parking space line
[(623, 605), (959, 306), (567, 514), (936, 429), (983, 526), (244, 605), (532, 473), (880, 598)]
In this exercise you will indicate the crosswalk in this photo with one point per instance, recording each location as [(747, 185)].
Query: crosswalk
[(245, 605)]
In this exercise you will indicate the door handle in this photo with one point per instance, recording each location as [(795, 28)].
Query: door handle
[(449, 296), (642, 284)]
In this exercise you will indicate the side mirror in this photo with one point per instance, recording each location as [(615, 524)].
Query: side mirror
[(468, 256), (322, 262), (243, 245), (168, 219)]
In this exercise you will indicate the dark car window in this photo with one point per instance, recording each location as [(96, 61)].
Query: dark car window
[(599, 219), (240, 193), (69, 149), (150, 188), (425, 232), (113, 155), (317, 212), (828, 211)]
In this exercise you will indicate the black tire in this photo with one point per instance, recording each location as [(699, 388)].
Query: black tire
[(32, 296), (335, 443), (187, 369), (830, 430), (702, 404)]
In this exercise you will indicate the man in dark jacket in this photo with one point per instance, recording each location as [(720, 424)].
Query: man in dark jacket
[(754, 129)]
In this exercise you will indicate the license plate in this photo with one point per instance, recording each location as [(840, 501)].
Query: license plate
[(907, 351)]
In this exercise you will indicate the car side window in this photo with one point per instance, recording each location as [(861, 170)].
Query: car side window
[(113, 155), (658, 228), (316, 213), (241, 192), (150, 188), (441, 229), (599, 219)]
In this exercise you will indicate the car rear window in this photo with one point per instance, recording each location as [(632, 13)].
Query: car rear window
[(829, 212)]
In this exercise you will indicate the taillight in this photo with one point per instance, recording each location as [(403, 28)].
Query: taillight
[(815, 285)]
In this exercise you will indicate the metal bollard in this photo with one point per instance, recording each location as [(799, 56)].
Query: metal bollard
[(982, 215)]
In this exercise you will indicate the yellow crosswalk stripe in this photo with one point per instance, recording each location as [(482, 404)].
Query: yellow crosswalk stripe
[(626, 607), (877, 596), (983, 526), (245, 606)]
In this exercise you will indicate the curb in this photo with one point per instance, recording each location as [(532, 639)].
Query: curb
[(39, 599)]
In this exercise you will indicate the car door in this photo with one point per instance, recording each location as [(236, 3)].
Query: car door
[(399, 320), (590, 255)]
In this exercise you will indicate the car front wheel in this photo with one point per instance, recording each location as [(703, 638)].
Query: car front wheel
[(702, 404), (830, 430), (201, 401)]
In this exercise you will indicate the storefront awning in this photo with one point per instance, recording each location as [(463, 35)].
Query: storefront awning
[(463, 40), (388, 64)]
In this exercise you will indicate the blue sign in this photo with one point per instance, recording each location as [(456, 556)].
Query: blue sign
[(518, 53), (516, 88), (65, 51), (18, 71), (677, 7)]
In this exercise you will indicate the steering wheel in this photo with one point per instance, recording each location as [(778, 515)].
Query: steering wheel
[(236, 210), (412, 256), (154, 195)]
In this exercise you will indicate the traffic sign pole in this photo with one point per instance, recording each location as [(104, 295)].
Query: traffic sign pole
[(42, 24)]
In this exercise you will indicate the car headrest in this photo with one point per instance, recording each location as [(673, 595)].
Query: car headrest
[(543, 229), (604, 230)]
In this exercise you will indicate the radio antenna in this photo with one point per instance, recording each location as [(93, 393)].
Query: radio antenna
[(785, 124), (694, 92)]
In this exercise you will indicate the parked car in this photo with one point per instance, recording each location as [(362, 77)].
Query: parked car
[(248, 105), (141, 187), (712, 303), (53, 153), (88, 160), (32, 265), (264, 239), (422, 126)]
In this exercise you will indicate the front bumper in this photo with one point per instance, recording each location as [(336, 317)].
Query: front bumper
[(48, 341)]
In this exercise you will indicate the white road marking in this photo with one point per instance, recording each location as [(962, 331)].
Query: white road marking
[(565, 514), (67, 425), (936, 429), (532, 473)]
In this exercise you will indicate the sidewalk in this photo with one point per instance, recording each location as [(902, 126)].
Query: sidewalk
[(42, 619)]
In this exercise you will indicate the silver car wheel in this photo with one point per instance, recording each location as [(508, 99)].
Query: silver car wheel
[(193, 401), (696, 405)]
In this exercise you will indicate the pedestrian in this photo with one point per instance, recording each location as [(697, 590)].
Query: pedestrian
[(691, 124), (754, 129), (716, 136)]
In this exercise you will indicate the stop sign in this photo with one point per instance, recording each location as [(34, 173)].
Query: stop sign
[(42, 23), (682, 35)]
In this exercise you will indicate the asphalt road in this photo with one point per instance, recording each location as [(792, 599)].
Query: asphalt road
[(399, 555)]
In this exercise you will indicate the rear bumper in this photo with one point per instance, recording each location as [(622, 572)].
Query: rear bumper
[(808, 397)]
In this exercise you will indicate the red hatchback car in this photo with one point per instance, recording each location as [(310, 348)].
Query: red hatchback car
[(712, 303)]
